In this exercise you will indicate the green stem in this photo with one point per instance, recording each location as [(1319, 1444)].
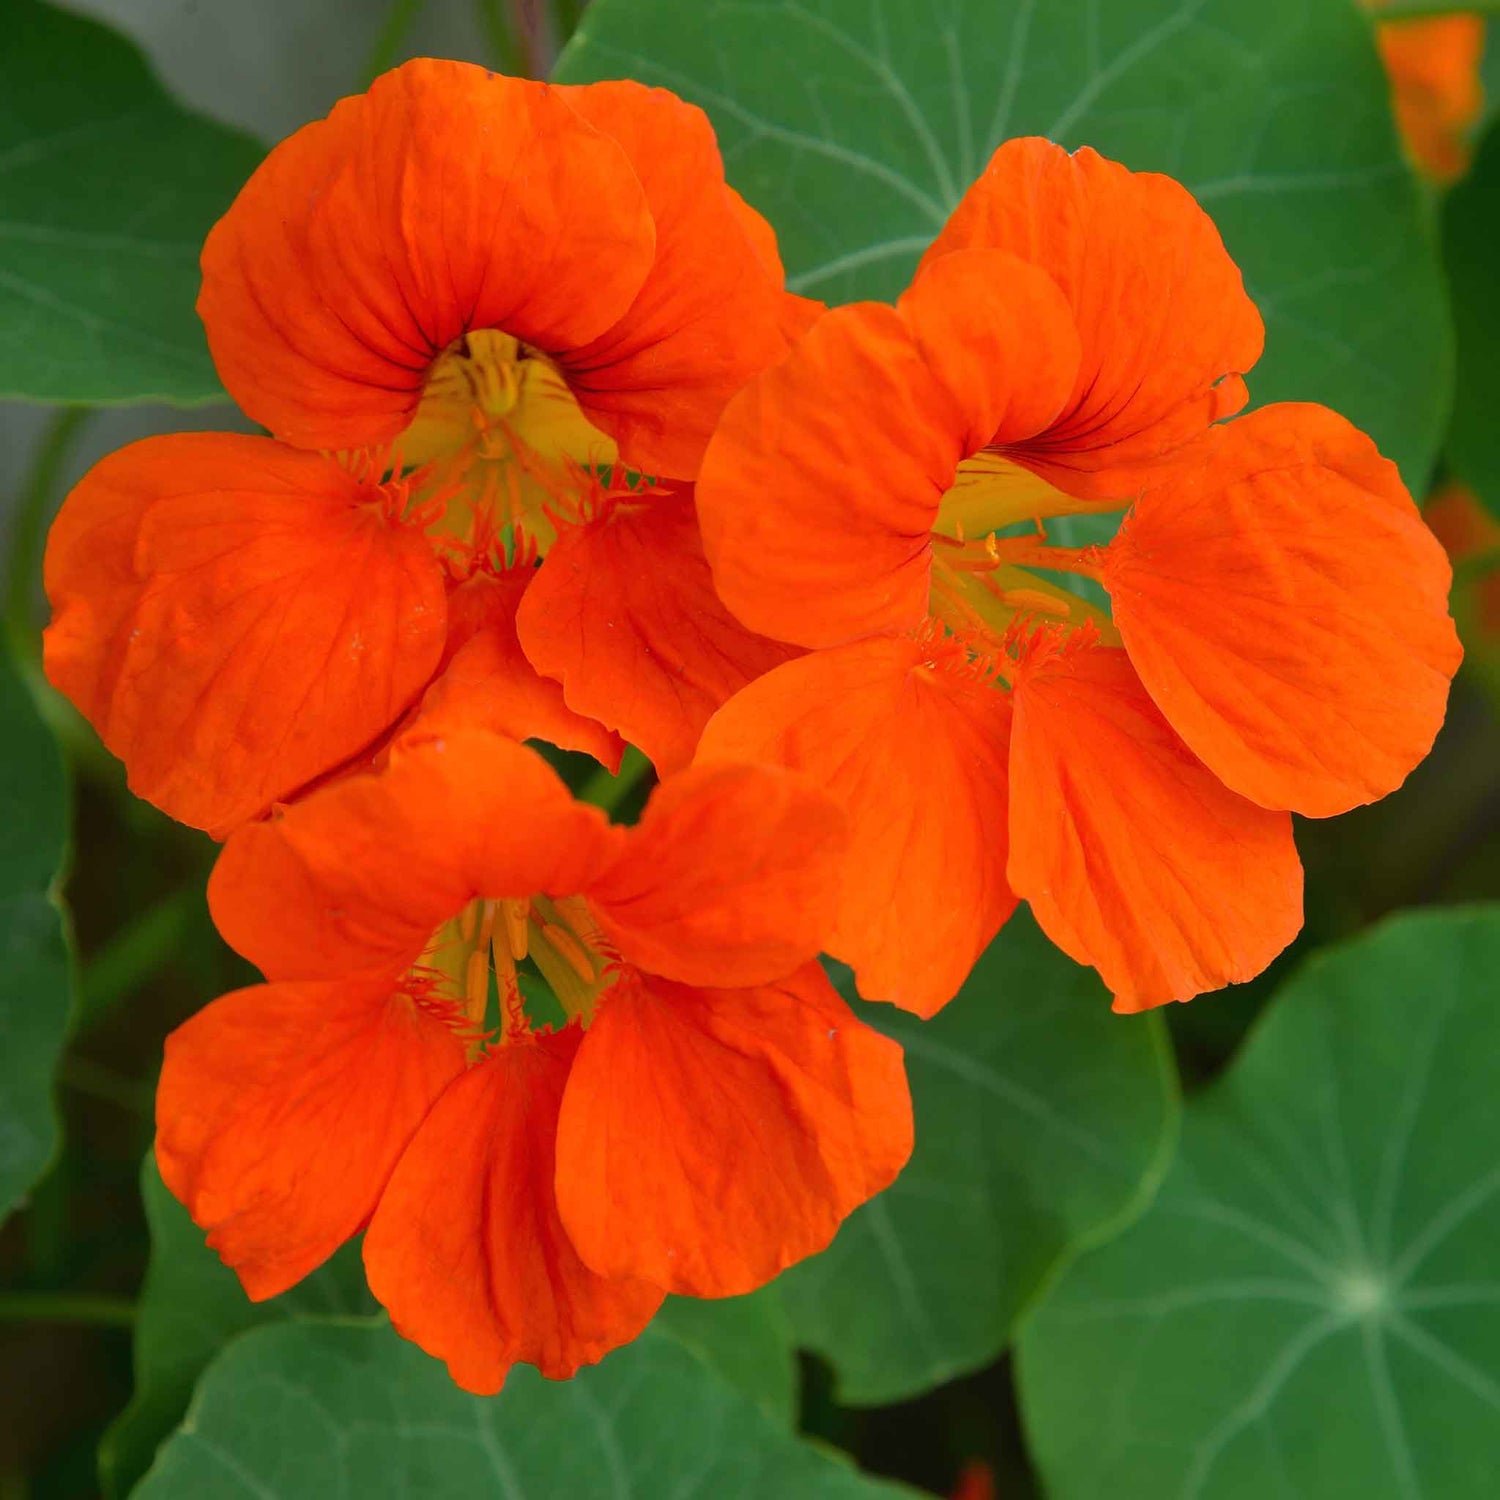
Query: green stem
[(37, 490), (607, 791), (388, 39), (502, 43), (134, 953), (67, 1307)]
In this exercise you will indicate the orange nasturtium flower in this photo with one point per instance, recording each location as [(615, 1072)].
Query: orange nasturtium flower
[(1279, 637), (465, 306), (1433, 65), (706, 1112)]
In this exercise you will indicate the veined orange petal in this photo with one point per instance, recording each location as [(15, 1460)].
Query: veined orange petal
[(999, 334), (487, 682), (364, 871), (466, 1250), (796, 313), (710, 1137), (623, 613), (913, 743), (730, 878), (235, 618), (1134, 856), (1287, 608), (820, 487), (708, 315), (282, 1110), (1166, 328), (444, 199)]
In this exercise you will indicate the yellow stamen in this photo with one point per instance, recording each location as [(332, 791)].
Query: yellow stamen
[(569, 948), (517, 914)]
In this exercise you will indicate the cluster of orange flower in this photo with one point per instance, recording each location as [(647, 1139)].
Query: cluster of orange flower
[(555, 456)]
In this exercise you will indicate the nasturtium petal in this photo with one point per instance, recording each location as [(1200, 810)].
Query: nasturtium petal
[(235, 618), (445, 199), (1044, 1122), (1287, 609), (361, 872), (282, 1110), (1000, 336), (624, 615), (1164, 326), (820, 487), (709, 313), (487, 681), (466, 1250), (711, 1137), (914, 745), (730, 877), (1134, 856), (1309, 1305), (1275, 116)]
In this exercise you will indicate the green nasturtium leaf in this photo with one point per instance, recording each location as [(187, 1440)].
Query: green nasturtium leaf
[(190, 1306), (745, 1340), (854, 126), (1311, 1305), (35, 972), (313, 1410), (107, 189), (1042, 1121), (1471, 247)]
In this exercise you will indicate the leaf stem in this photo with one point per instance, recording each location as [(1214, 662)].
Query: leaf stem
[(67, 1307), (25, 549), (388, 39)]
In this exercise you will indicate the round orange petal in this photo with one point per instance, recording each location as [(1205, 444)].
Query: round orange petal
[(445, 199), (820, 487), (1134, 856), (1436, 86), (282, 1110), (710, 313), (364, 871), (999, 335), (1166, 328), (913, 743), (235, 618), (466, 1250), (730, 877), (710, 1138), (487, 682), (624, 614), (1287, 609)]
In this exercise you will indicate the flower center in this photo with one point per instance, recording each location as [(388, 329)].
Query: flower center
[(503, 445), (500, 967), (988, 583)]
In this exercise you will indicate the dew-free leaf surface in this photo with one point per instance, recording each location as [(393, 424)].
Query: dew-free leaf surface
[(315, 1410), (1042, 1118), (107, 189), (35, 976), (191, 1305), (1311, 1305), (747, 1341), (1471, 248), (854, 126)]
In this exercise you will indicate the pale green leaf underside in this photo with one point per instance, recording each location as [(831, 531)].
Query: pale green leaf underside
[(854, 125), (1311, 1305)]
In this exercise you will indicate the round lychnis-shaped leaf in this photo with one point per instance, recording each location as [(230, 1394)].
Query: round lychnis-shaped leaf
[(1310, 1307), (1042, 1121)]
